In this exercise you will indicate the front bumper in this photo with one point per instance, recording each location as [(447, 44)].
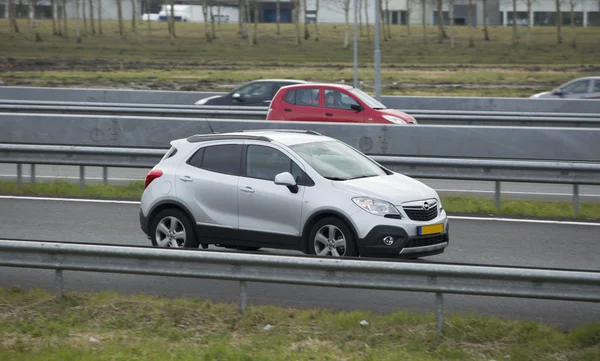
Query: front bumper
[(404, 246)]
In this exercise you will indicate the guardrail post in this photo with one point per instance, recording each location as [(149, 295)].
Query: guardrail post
[(19, 175), (105, 175), (497, 195), (59, 284), (81, 177), (576, 198), (243, 295), (32, 174), (439, 311)]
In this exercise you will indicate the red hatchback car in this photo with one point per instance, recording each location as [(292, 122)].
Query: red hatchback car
[(314, 102)]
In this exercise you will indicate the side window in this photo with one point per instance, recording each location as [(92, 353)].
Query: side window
[(338, 100), (260, 89), (577, 87), (290, 97), (307, 97), (224, 158), (196, 159), (596, 86), (266, 162)]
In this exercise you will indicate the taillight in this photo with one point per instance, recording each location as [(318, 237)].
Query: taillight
[(152, 175)]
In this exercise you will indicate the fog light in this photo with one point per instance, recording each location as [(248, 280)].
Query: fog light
[(388, 241)]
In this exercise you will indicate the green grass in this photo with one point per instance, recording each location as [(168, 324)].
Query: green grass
[(108, 326), (491, 68), (452, 204)]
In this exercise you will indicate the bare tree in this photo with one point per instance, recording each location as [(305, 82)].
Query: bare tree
[(572, 4), (529, 4), (440, 16), (171, 10), (120, 18), (92, 25), (470, 20), (424, 19), (207, 34), (382, 21), (360, 25), (83, 2), (64, 11), (387, 18), (100, 17), (255, 31), (133, 16), (212, 23), (242, 28), (344, 7), (317, 21), (148, 14), (278, 15), (558, 22), (486, 34), (53, 10), (56, 14), (306, 32), (366, 5), (408, 11), (78, 21), (515, 35), (452, 29), (12, 15), (249, 31), (35, 35), (297, 20)]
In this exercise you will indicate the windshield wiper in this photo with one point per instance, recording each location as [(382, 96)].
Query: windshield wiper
[(364, 176), (336, 178)]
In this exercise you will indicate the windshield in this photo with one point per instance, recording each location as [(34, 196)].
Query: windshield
[(366, 98), (337, 161)]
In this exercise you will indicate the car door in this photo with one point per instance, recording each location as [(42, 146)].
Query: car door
[(302, 104), (207, 184), (595, 92), (269, 213), (337, 107)]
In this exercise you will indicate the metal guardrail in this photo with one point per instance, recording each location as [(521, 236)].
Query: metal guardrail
[(498, 171), (438, 117), (477, 280)]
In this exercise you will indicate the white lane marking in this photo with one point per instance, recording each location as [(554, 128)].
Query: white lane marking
[(516, 192), (466, 218), (70, 177)]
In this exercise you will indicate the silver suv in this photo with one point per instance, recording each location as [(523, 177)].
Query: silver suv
[(288, 189)]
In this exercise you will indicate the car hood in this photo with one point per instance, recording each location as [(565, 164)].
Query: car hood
[(204, 100), (396, 188), (540, 95), (400, 114)]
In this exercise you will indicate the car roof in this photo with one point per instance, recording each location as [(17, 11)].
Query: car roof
[(310, 84), (279, 80), (287, 137)]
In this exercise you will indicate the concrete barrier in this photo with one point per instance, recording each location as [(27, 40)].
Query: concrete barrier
[(444, 141), (396, 102)]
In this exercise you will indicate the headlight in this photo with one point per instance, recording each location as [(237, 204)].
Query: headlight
[(201, 101), (376, 206), (393, 119)]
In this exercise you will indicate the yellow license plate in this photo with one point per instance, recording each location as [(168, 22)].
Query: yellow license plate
[(431, 229)]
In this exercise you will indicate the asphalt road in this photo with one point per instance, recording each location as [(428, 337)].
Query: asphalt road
[(509, 190), (475, 241)]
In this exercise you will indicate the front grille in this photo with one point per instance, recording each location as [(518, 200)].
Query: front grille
[(426, 241), (418, 214)]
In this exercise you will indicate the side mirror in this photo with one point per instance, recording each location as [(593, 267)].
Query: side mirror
[(237, 96), (558, 92), (356, 107), (287, 179)]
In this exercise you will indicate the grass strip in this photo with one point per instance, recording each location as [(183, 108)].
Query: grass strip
[(452, 204), (109, 326)]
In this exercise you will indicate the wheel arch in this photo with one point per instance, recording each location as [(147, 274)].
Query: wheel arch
[(168, 204), (319, 215)]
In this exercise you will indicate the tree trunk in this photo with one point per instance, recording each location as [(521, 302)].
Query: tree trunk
[(297, 20), (92, 24), (53, 10), (219, 14), (149, 22), (100, 17), (58, 15), (255, 31), (408, 10), (486, 34), (388, 18), (207, 34), (558, 23), (573, 36), (316, 20), (346, 23), (120, 18), (133, 16), (440, 17), (382, 21), (12, 14), (529, 23), (35, 35), (306, 32), (250, 33), (241, 31), (452, 29), (424, 19), (172, 33), (84, 16), (64, 11), (470, 20), (515, 35), (360, 25), (366, 4), (212, 24), (78, 22), (278, 15)]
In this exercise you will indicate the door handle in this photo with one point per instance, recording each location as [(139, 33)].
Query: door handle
[(329, 114), (287, 109), (247, 190), (186, 178)]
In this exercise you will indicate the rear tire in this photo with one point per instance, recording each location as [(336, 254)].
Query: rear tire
[(331, 237), (171, 228)]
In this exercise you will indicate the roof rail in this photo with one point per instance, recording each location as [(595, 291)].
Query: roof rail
[(283, 131), (223, 136)]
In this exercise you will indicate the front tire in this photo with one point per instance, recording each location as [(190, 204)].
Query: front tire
[(331, 237), (171, 228)]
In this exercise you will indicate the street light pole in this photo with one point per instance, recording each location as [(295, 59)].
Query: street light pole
[(377, 54), (355, 44)]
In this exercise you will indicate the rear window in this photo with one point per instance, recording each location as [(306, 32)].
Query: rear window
[(170, 153)]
